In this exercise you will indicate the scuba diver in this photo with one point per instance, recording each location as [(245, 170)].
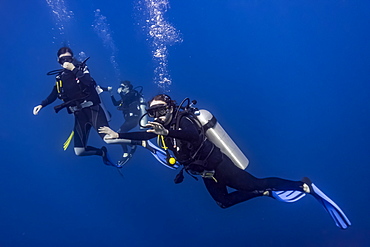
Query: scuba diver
[(77, 89), (202, 147), (132, 105)]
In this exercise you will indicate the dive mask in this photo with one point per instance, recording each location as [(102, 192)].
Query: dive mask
[(64, 59), (158, 111), (123, 90)]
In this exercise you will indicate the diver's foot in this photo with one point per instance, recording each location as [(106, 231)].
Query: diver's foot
[(306, 185), (266, 193), (144, 144), (105, 157), (306, 189), (262, 192)]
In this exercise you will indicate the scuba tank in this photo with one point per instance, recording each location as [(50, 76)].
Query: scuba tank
[(218, 136), (144, 116)]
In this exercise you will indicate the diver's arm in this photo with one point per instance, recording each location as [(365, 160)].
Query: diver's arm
[(83, 75), (139, 135), (114, 101), (107, 89), (51, 98)]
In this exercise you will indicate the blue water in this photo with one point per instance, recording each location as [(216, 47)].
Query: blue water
[(288, 80)]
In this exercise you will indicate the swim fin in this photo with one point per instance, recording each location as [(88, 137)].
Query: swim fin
[(333, 209), (159, 154), (288, 195), (68, 141), (106, 160), (123, 161)]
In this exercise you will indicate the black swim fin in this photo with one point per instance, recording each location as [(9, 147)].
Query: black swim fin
[(106, 160), (123, 161)]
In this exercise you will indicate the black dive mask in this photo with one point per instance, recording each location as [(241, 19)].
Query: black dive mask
[(64, 59), (158, 111)]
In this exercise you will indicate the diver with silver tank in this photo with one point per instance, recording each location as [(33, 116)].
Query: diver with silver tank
[(132, 105), (199, 143)]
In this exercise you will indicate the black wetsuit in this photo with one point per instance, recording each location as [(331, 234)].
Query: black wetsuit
[(129, 104), (77, 89), (185, 139)]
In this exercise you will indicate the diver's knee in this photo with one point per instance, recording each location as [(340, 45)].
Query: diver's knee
[(79, 151)]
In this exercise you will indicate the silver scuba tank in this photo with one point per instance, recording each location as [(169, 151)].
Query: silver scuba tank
[(218, 136), (144, 116)]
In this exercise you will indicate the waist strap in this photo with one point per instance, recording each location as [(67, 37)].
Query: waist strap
[(205, 174), (81, 106)]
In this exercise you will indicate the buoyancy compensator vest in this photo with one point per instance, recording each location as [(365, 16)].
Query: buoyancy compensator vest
[(214, 132)]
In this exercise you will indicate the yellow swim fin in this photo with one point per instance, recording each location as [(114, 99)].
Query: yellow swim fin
[(68, 141)]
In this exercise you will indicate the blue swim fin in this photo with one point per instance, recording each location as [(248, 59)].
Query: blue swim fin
[(287, 196), (333, 209), (160, 155)]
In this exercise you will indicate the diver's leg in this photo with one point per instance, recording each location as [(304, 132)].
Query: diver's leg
[(124, 129), (130, 123), (124, 146), (85, 119), (223, 198), (241, 180), (82, 130), (98, 118)]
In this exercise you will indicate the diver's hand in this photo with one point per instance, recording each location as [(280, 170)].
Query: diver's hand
[(36, 109), (69, 66), (157, 128), (110, 134)]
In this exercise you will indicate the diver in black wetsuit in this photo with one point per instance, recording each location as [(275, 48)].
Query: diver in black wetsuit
[(76, 88), (200, 156), (180, 133), (132, 105)]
